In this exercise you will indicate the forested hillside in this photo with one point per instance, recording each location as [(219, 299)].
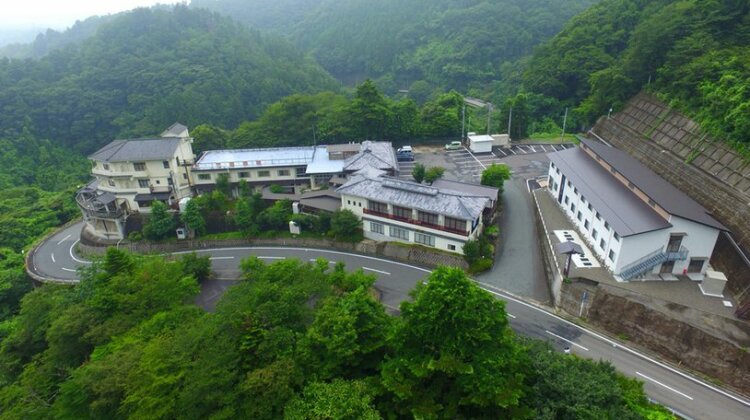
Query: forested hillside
[(695, 54), (420, 45), (145, 70), (292, 340)]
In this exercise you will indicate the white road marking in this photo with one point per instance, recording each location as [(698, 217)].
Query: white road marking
[(475, 158), (377, 271), (221, 258), (68, 269), (510, 315), (74, 257), (329, 262), (53, 257), (512, 151), (565, 339), (665, 386), (533, 150), (64, 239)]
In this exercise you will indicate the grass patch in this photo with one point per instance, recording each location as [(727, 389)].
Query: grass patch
[(552, 138)]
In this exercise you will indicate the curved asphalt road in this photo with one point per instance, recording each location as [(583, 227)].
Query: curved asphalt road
[(688, 396)]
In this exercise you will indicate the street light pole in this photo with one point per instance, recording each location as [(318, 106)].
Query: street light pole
[(565, 120), (489, 116)]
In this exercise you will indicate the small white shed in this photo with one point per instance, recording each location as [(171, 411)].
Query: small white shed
[(480, 143)]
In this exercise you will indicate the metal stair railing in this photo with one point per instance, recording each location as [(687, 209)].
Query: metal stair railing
[(651, 260)]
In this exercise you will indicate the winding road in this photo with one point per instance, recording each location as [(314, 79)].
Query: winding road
[(688, 396)]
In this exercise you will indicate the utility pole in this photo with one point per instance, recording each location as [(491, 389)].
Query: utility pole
[(463, 122), (565, 120), (510, 120), (489, 116), (315, 141)]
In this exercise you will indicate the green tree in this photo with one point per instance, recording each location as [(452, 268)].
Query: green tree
[(193, 219), (208, 137), (453, 353), (472, 251), (418, 173), (339, 399), (198, 267), (346, 225), (276, 217), (223, 184), (244, 217), (433, 174), (370, 111), (160, 222), (496, 175)]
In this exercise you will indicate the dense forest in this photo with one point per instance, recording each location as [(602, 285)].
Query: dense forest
[(293, 340), (692, 53), (424, 46), (146, 69)]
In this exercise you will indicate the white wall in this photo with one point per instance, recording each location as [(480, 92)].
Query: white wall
[(700, 239)]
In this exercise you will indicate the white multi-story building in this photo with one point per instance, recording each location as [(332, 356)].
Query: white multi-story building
[(131, 174), (404, 211), (638, 224)]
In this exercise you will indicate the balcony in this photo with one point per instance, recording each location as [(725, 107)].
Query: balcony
[(416, 222)]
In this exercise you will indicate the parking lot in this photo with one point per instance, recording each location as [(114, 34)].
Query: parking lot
[(465, 166)]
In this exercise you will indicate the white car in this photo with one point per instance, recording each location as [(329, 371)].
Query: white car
[(454, 145), (405, 149)]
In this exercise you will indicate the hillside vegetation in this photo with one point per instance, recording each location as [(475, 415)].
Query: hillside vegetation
[(291, 340), (420, 45), (145, 70), (693, 53)]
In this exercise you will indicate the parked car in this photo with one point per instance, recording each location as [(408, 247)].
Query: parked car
[(405, 149), (405, 156), (454, 145)]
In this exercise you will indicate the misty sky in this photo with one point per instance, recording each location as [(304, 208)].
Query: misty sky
[(60, 14)]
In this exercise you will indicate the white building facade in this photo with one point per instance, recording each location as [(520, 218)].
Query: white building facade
[(402, 211), (639, 226)]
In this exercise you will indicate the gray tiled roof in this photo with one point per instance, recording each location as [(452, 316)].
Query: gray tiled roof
[(467, 189), (666, 195), (174, 130), (627, 214), (413, 195), (137, 150), (376, 154)]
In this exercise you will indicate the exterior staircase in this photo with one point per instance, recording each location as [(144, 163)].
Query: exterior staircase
[(650, 261)]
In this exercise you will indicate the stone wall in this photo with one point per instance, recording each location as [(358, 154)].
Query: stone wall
[(707, 170), (674, 332), (409, 254)]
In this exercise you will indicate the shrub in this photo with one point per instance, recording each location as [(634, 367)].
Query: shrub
[(276, 189), (481, 265), (433, 174), (346, 225)]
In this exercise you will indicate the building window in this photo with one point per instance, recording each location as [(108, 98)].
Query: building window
[(602, 244), (566, 200), (377, 228), (397, 232), (204, 177), (423, 239), (139, 166), (573, 207), (106, 166), (451, 247), (184, 176), (586, 225), (606, 226), (617, 237), (244, 174), (429, 218), (575, 191), (158, 182), (143, 183), (595, 234), (349, 202), (455, 224), (264, 174), (590, 207), (583, 200), (283, 172), (401, 212), (580, 217), (598, 216), (377, 207), (555, 187), (569, 184), (695, 265), (612, 255), (111, 182), (166, 164), (169, 181), (300, 172)]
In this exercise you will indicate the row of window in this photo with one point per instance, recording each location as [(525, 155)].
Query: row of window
[(422, 216), (260, 174), (403, 234)]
